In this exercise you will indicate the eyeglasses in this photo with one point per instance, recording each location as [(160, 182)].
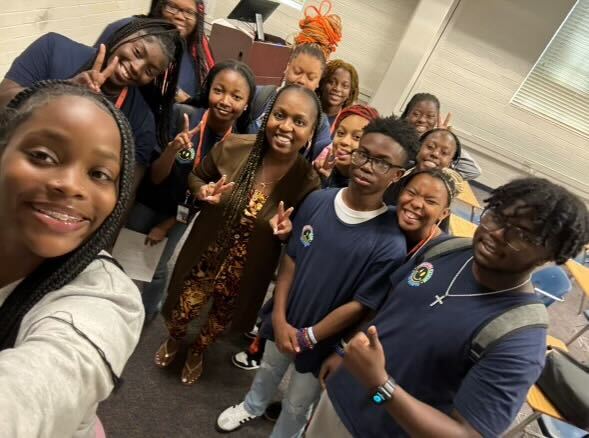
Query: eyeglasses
[(188, 14), (515, 237), (360, 158)]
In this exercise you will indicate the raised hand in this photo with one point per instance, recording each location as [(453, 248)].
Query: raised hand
[(96, 76), (325, 166), (446, 123), (280, 222), (365, 358), (212, 192), (184, 138)]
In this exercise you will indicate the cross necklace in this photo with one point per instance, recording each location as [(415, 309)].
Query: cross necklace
[(440, 298)]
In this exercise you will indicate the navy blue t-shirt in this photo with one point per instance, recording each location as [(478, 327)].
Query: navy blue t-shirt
[(336, 263), (427, 348), (54, 56), (323, 136), (188, 79), (166, 196)]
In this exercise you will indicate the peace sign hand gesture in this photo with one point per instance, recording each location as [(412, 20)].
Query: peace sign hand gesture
[(325, 167), (280, 222), (95, 77), (184, 138), (446, 123), (212, 192)]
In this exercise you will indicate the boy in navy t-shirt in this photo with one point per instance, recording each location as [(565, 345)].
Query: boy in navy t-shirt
[(343, 243), (412, 374)]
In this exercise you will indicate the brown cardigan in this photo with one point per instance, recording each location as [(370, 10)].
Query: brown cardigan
[(227, 158)]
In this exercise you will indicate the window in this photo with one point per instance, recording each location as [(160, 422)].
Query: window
[(557, 87)]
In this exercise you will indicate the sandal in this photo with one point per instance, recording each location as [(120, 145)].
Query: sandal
[(163, 357), (190, 375)]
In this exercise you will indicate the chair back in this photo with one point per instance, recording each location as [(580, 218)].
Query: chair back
[(551, 284)]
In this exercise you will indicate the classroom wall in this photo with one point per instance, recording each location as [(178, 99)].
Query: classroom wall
[(21, 22), (372, 31), (480, 60)]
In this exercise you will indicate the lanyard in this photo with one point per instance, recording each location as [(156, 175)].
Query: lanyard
[(122, 97), (202, 131)]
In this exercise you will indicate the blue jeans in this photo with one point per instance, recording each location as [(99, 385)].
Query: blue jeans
[(142, 219), (302, 393)]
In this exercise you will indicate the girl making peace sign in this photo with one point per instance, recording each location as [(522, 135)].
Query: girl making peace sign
[(163, 203)]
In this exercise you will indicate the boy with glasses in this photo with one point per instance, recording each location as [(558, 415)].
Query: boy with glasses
[(416, 371), (343, 244)]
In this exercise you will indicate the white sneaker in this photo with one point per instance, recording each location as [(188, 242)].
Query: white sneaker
[(245, 361), (233, 418)]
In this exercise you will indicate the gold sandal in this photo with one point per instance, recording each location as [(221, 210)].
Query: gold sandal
[(163, 357), (190, 375)]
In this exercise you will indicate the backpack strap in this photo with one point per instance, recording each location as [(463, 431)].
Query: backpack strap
[(510, 321), (447, 246), (260, 98)]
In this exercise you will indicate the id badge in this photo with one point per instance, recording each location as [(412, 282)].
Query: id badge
[(182, 214)]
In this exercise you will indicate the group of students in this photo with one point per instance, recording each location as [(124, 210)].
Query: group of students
[(375, 305)]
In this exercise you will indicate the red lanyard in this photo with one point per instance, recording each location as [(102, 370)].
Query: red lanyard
[(422, 243), (202, 131), (122, 97)]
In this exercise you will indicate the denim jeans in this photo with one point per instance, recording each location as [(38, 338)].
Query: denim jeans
[(142, 219), (302, 393)]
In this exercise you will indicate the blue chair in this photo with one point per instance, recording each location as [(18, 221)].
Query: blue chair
[(551, 284), (553, 428)]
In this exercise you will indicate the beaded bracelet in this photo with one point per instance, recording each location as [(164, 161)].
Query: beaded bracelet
[(305, 339)]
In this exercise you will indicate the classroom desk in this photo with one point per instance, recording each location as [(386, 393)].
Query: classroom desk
[(537, 400), (467, 196), (581, 275), (461, 227)]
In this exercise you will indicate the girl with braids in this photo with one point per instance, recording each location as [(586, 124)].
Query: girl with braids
[(233, 248), (188, 17), (338, 89), (333, 164), (136, 70), (227, 91), (423, 112), (69, 317)]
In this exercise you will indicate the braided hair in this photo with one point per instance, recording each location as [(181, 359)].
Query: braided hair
[(309, 49), (195, 40), (202, 101), (323, 29), (244, 184), (159, 94), (57, 272), (451, 180), (561, 218), (417, 98), (330, 69)]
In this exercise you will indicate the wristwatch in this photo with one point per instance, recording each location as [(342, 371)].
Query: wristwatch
[(384, 392)]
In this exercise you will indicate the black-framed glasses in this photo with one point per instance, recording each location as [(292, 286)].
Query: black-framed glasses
[(188, 14), (515, 237), (360, 158)]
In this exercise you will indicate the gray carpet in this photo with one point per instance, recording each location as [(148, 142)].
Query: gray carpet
[(153, 403)]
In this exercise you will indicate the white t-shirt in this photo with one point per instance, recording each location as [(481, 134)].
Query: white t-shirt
[(52, 381), (353, 217)]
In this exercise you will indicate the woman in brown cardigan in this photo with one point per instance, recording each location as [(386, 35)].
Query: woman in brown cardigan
[(232, 250)]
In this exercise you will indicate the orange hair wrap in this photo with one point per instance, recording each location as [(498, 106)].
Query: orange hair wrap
[(321, 28)]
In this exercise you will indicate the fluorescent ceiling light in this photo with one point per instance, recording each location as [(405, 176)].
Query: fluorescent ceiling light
[(297, 4)]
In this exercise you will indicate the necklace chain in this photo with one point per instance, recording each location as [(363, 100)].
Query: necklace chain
[(440, 298)]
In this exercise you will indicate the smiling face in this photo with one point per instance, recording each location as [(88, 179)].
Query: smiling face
[(304, 70), (182, 14), (291, 122), (347, 138), (421, 204), (337, 89), (141, 60), (423, 116), (437, 150), (494, 250), (228, 95), (59, 176), (365, 178)]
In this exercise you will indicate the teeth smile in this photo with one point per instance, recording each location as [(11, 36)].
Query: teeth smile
[(411, 215), (63, 217)]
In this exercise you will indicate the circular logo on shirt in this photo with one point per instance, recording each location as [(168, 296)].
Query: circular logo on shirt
[(186, 156), (421, 274), (307, 235)]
